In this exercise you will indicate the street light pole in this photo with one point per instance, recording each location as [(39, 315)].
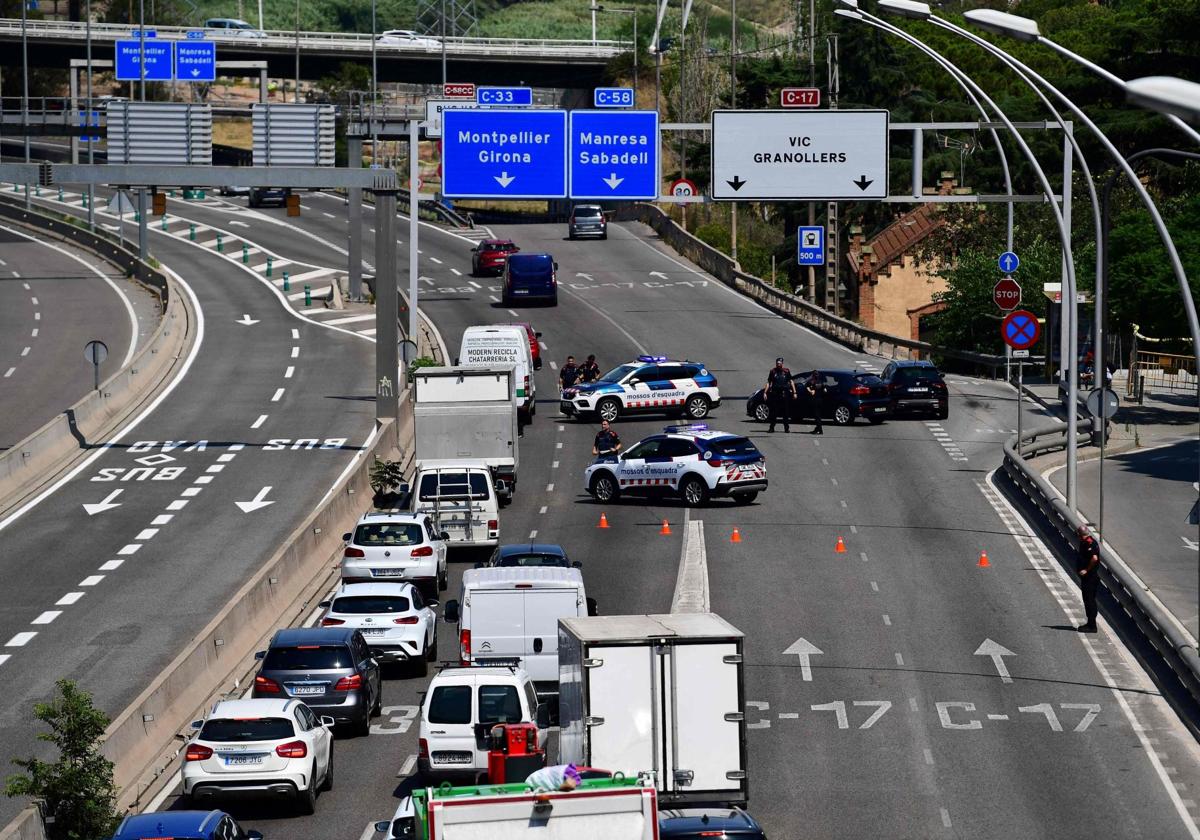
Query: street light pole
[(733, 232), (91, 187), (374, 91), (296, 92), (25, 89)]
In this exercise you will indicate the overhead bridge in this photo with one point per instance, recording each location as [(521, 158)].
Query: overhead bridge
[(536, 62)]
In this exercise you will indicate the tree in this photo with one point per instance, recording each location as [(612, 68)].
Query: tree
[(77, 789)]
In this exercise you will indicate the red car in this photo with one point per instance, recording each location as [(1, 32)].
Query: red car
[(534, 347), (488, 256)]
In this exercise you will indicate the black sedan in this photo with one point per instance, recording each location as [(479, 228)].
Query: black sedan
[(848, 394), (532, 554)]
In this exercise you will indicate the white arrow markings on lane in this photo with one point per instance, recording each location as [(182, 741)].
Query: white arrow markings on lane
[(259, 501), (246, 320), (996, 652), (613, 181), (584, 276), (658, 274), (504, 179), (106, 504), (804, 649)]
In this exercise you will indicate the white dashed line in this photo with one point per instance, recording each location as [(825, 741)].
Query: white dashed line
[(295, 335), (162, 519), (215, 468), (494, 299), (514, 313), (533, 534), (91, 580), (25, 352), (328, 215), (945, 818), (436, 260), (550, 488), (543, 509), (558, 445), (35, 301), (278, 395), (887, 620), (874, 586), (132, 548), (37, 316), (68, 599), (863, 555), (287, 374), (178, 504), (111, 565), (226, 458), (899, 660), (262, 418), (295, 352), (554, 465), (928, 756), (553, 365), (9, 372), (204, 479), (456, 272), (4, 657), (47, 617), (20, 640), (146, 534), (189, 492), (236, 447)]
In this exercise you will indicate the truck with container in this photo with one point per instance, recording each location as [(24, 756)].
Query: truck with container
[(657, 695)]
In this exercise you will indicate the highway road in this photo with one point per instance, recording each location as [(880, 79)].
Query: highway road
[(53, 300), (946, 700)]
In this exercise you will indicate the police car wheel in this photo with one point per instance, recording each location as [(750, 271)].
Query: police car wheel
[(843, 416), (697, 407), (762, 412), (604, 488), (609, 409), (694, 491)]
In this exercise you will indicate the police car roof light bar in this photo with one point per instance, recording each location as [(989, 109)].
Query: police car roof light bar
[(687, 427), (652, 358)]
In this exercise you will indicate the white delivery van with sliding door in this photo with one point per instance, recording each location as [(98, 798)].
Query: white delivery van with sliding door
[(498, 346)]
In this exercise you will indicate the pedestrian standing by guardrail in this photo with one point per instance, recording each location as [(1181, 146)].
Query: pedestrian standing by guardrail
[(1088, 567)]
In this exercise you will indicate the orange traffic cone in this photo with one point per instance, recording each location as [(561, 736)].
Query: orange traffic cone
[(736, 536), (666, 528), (603, 521), (983, 561), (840, 548)]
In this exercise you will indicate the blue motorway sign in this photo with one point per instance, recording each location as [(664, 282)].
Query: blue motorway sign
[(1009, 262), (195, 34), (509, 96), (611, 97), (504, 154), (196, 61), (158, 60), (810, 246), (94, 123), (614, 154)]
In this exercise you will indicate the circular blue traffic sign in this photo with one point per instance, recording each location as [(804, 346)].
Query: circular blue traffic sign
[(1020, 329), (1009, 262)]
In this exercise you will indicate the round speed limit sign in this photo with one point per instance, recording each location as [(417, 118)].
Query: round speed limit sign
[(684, 187)]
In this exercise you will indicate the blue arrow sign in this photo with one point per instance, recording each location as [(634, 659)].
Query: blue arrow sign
[(810, 246), (1009, 262), (504, 154), (158, 61), (612, 97), (614, 154), (196, 61), (508, 96)]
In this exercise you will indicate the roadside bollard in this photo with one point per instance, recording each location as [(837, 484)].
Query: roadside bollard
[(83, 199), (60, 194), (16, 187), (192, 233), (245, 253), (287, 283), (307, 295), (37, 190), (269, 268), (137, 217), (171, 193), (220, 245), (164, 221)]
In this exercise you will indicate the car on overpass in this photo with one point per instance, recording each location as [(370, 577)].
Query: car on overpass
[(232, 28), (407, 38)]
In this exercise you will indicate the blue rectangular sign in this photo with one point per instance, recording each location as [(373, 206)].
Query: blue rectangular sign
[(158, 60), (614, 154), (137, 33), (504, 154), (94, 123), (508, 96), (196, 61), (195, 34), (612, 97), (810, 246)]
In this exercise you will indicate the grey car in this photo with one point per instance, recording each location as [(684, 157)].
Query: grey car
[(587, 220), (330, 668)]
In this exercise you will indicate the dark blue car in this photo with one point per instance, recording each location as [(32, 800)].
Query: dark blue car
[(697, 823), (183, 825), (530, 277), (532, 554)]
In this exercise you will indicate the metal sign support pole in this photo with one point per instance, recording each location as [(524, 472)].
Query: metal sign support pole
[(141, 206), (387, 307), (354, 199), (413, 228), (1020, 399)]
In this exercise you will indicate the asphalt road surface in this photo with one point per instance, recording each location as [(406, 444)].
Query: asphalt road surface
[(947, 700)]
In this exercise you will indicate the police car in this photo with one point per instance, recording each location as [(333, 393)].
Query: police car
[(689, 461), (651, 384)]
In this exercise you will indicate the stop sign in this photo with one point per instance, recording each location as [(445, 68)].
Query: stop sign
[(1007, 294)]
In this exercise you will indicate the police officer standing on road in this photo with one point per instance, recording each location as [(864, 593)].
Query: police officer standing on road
[(1088, 568), (568, 374), (780, 390), (607, 441), (815, 386), (589, 371)]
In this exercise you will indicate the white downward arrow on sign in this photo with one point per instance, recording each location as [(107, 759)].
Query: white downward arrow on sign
[(257, 502), (613, 181), (246, 320), (195, 72), (803, 649), (996, 652), (504, 178), (107, 504)]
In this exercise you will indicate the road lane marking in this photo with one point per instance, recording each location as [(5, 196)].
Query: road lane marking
[(900, 660), (514, 313), (215, 468), (494, 298), (407, 767), (436, 260), (35, 333), (9, 372), (226, 458), (928, 756), (204, 479), (262, 418), (278, 395), (945, 818), (874, 586), (287, 374), (368, 832), (162, 519), (863, 555), (554, 465), (47, 617), (91, 580), (132, 548), (35, 301), (295, 352), (533, 534), (543, 509), (189, 492), (178, 504), (37, 316), (458, 273), (146, 534), (887, 620), (68, 599), (550, 487), (691, 582), (295, 334), (25, 352), (20, 639)]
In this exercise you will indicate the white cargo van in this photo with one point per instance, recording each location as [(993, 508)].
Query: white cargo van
[(458, 495), (503, 345), (509, 615)]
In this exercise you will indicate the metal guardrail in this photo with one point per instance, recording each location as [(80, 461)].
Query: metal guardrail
[(348, 41), (1154, 622)]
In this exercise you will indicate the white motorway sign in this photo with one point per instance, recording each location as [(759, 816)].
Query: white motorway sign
[(433, 113), (805, 156)]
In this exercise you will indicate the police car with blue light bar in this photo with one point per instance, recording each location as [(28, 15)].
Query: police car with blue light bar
[(688, 461), (651, 385)]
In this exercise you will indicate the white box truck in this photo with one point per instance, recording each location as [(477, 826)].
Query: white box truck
[(467, 414), (659, 694)]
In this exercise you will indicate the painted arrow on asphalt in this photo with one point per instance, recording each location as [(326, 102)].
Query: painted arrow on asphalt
[(613, 181), (246, 320), (259, 501), (658, 274), (107, 504), (504, 179), (803, 649), (584, 276), (996, 652)]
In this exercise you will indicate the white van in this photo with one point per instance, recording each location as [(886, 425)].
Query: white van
[(460, 708), (503, 345), (509, 615), (460, 497)]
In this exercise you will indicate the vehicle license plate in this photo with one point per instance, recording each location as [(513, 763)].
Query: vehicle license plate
[(372, 631), (387, 572), (880, 408), (306, 690), (919, 390), (241, 760)]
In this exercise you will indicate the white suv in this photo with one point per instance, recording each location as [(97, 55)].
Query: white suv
[(264, 748), (396, 547), (396, 622)]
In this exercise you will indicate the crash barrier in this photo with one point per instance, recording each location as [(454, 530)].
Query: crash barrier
[(40, 457), (27, 825), (1152, 619), (431, 209), (795, 308)]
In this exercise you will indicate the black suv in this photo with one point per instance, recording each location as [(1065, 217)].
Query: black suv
[(916, 386), (848, 394), (330, 668)]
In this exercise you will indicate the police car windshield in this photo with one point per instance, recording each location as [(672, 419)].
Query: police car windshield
[(618, 373)]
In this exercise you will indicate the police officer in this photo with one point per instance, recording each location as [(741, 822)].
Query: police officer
[(815, 386), (780, 389), (568, 374), (1088, 568), (608, 442), (589, 371)]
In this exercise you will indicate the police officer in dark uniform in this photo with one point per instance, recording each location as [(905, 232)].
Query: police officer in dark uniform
[(780, 390), (589, 371), (1088, 568), (568, 374), (815, 386), (608, 442)]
